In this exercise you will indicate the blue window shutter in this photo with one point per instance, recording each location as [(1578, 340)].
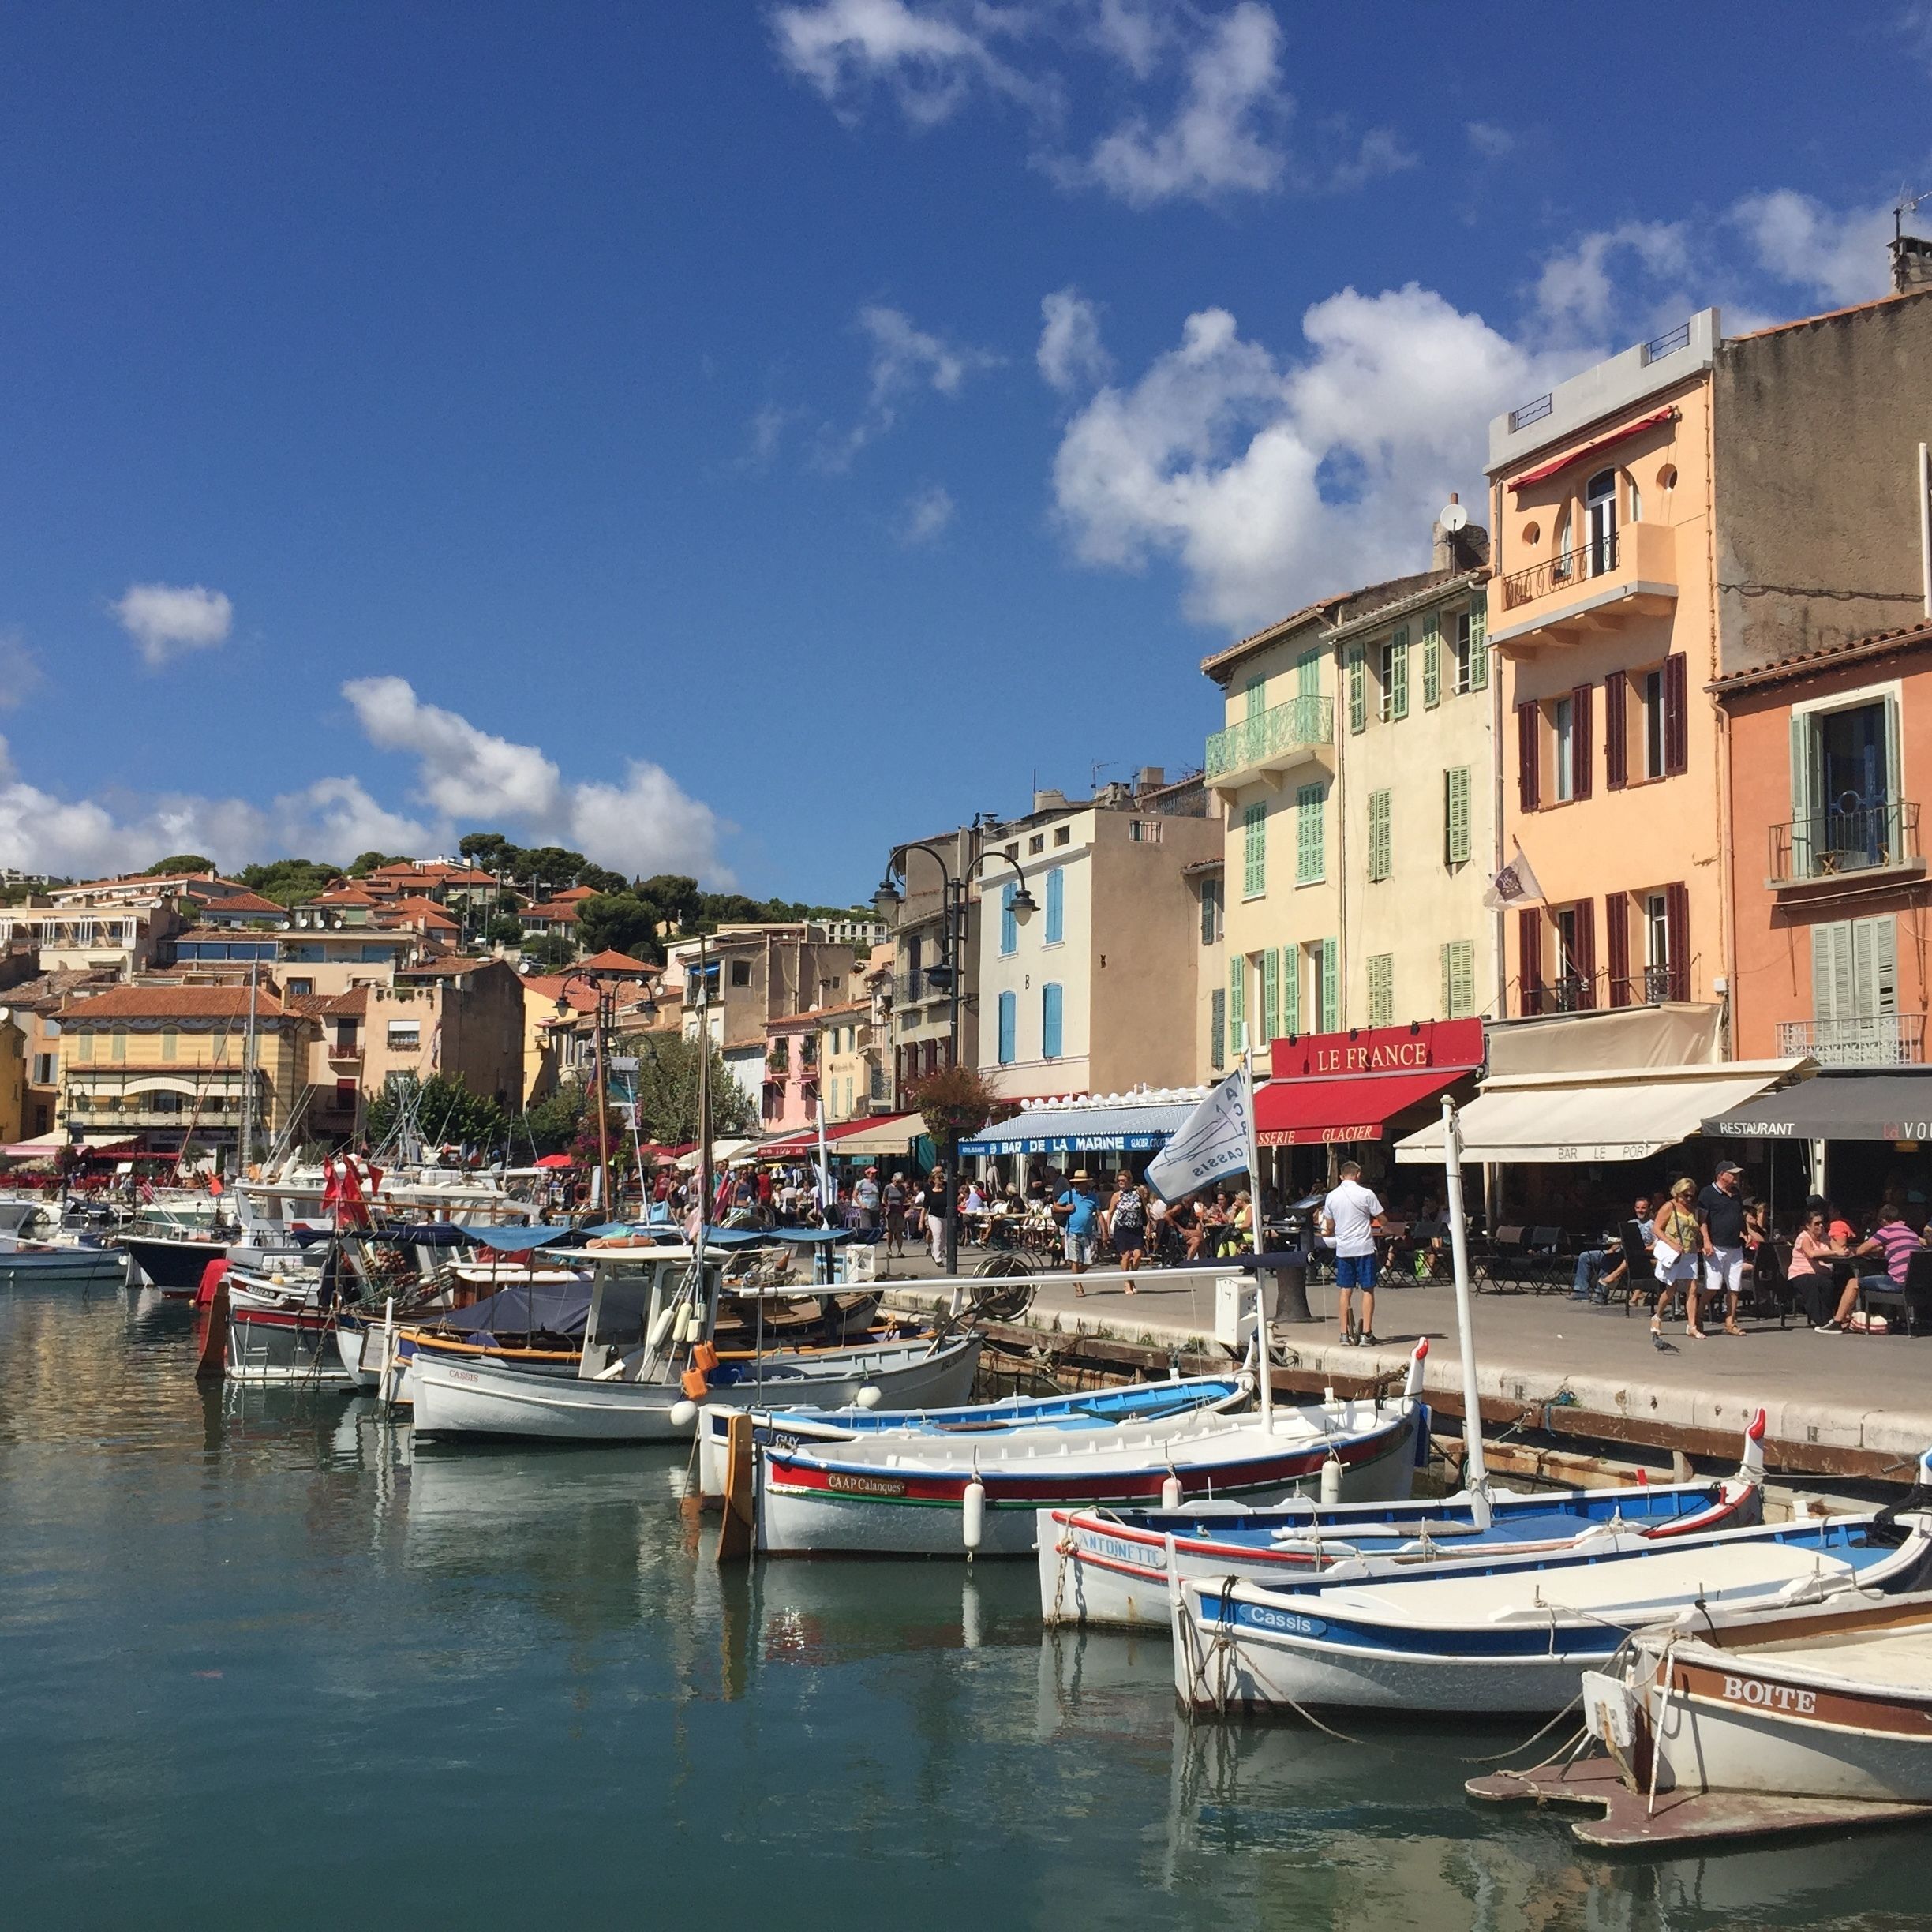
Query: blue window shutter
[(1056, 905), (1009, 923), (1050, 1021), (1009, 1016)]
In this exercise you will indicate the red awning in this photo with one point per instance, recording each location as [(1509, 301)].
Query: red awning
[(1590, 449), (805, 1139), (1296, 1113)]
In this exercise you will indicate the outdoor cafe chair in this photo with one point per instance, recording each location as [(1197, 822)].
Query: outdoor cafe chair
[(1911, 1299)]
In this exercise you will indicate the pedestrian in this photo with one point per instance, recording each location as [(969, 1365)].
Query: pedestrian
[(1674, 1251), (1078, 1211), (933, 1201), (1721, 1232), (1350, 1215), (866, 1198), (1127, 1223), (896, 1197)]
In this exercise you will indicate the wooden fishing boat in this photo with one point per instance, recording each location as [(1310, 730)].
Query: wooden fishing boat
[(79, 1264), (1507, 1636), (1113, 1567)]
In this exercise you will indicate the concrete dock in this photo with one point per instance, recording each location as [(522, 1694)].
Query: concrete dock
[(1843, 1406)]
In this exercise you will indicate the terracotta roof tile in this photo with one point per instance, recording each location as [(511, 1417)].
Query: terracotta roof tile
[(1800, 663), (182, 1002), (611, 960)]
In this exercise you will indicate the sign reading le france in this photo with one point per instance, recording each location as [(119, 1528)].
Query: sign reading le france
[(1213, 1141)]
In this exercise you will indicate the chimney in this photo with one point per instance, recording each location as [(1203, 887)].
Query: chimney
[(1911, 264), (1464, 548), (1049, 801), (1149, 778)]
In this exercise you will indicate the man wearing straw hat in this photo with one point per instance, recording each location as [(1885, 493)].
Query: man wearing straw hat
[(1079, 1211)]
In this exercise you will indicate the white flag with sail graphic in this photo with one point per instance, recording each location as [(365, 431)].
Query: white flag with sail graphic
[(1213, 1141), (1514, 885)]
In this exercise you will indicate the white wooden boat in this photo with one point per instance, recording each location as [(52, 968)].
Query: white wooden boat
[(62, 1262), (905, 1493), (1506, 1637), (1830, 1702), (1114, 1566)]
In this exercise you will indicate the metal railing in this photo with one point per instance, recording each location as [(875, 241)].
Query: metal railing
[(1854, 838), (1865, 1040), (1659, 347), (1571, 993), (1582, 561), (1299, 724), (1649, 985), (1532, 412)]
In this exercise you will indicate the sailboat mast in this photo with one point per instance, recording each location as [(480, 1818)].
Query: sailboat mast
[(248, 1078)]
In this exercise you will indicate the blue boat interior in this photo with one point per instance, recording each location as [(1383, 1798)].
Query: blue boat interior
[(1141, 1402)]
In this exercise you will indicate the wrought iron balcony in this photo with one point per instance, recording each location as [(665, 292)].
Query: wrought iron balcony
[(1592, 585), (1866, 1039), (1859, 838), (1273, 741)]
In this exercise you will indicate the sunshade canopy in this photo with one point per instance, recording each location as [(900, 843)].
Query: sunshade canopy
[(1136, 1128), (1352, 1107), (1834, 1107), (1623, 1113)]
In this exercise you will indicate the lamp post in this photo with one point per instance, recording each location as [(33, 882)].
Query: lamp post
[(606, 1017), (954, 896)]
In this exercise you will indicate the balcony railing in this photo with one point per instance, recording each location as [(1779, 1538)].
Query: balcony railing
[(346, 1053), (1860, 839), (1866, 1039), (1596, 559), (1586, 992), (1273, 736)]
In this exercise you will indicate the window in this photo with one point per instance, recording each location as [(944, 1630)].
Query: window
[(1212, 911), (1217, 1028), (1270, 994), (1037, 842), (1009, 1023), (405, 1036), (170, 1043), (86, 1046), (1854, 990), (45, 1069), (1459, 655), (1846, 810), (1056, 905), (1381, 989), (1474, 622), (1063, 835), (301, 987), (1358, 689), (1379, 864), (1051, 1007), (1599, 501), (1237, 1004), (1650, 699), (1144, 831), (1311, 833), (1254, 851), (1307, 674), (741, 972), (1010, 920), (1456, 816), (1562, 733), (120, 1042), (1431, 662), (1395, 676), (1459, 980)]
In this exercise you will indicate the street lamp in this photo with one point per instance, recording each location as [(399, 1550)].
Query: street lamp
[(606, 1009), (948, 976)]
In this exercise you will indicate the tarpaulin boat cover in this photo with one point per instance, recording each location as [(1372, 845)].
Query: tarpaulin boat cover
[(515, 1239), (528, 1308)]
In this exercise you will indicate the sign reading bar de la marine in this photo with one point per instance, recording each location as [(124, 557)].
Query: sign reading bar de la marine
[(1336, 1087)]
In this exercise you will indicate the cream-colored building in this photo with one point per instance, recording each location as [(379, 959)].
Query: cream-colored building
[(854, 1057), (1093, 991), (124, 934)]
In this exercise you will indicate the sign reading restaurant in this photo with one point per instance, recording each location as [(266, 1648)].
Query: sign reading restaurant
[(1334, 1088)]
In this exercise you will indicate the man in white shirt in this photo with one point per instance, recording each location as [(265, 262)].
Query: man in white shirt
[(1351, 1216)]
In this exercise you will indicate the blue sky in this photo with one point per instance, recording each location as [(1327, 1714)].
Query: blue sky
[(733, 437)]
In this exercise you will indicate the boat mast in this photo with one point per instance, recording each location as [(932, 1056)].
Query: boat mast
[(1475, 1471), (248, 1078)]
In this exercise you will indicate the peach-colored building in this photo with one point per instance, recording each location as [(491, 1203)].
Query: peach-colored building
[(1602, 611), (1828, 749)]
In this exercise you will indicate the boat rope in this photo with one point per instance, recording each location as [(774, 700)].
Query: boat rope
[(1066, 1549)]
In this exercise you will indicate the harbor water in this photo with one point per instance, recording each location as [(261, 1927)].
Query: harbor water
[(259, 1665)]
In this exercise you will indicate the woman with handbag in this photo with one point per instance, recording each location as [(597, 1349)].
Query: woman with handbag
[(1676, 1252)]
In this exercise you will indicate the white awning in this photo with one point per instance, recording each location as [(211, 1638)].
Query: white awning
[(1619, 1114), (1135, 1127)]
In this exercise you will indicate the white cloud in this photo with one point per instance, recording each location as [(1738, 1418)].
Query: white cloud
[(1836, 256), (928, 513), (1490, 140), (1380, 151), (20, 674), (1071, 353), (166, 620), (904, 360), (1577, 290), (1218, 139), (1273, 481)]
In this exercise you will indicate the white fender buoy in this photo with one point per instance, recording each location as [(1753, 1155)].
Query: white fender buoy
[(972, 1516), (1331, 1481), (867, 1398), (1170, 1492), (683, 1413)]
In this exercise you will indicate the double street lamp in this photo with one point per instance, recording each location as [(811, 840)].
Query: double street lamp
[(949, 975), (606, 1019)]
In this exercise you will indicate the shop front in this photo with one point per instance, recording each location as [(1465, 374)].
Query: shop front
[(1049, 1138)]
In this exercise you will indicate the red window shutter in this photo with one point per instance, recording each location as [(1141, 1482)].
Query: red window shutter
[(1528, 786), (1616, 947), (1584, 964), (1529, 958), (1676, 717), (1616, 750), (1580, 739), (1677, 921)]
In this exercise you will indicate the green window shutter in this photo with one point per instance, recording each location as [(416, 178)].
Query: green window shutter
[(1431, 662), (1257, 693), (1378, 835), (1217, 1028), (1291, 989), (1456, 815), (1254, 851), (1382, 989), (1358, 689), (1801, 831), (1458, 978), (1448, 980), (1331, 988), (1310, 832), (1237, 1003), (1398, 676), (1270, 994), (1479, 645), (1307, 675)]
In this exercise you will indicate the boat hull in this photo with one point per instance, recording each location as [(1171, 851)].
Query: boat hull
[(814, 1507), (81, 1267), (478, 1398), (174, 1266), (282, 1345)]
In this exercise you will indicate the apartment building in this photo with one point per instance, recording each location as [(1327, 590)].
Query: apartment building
[(304, 960), (935, 934)]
